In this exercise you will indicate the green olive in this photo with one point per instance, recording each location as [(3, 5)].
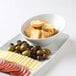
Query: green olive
[(22, 47), (26, 53), (11, 48), (46, 51), (17, 47), (39, 52), (25, 44)]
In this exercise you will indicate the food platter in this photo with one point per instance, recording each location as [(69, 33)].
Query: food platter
[(55, 46)]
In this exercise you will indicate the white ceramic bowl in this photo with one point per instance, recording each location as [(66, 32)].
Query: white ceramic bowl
[(57, 20)]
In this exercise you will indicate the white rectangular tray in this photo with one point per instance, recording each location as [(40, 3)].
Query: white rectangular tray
[(54, 46)]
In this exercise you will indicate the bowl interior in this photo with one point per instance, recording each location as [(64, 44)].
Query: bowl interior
[(57, 20)]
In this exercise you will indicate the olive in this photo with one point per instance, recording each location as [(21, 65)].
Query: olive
[(24, 42), (17, 51), (23, 47), (46, 51), (39, 57), (38, 47), (26, 53), (30, 47), (17, 47), (19, 42), (39, 52), (33, 49), (33, 56), (45, 56), (11, 48), (33, 53), (12, 44)]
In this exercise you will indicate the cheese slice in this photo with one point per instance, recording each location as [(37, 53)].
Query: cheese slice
[(19, 59)]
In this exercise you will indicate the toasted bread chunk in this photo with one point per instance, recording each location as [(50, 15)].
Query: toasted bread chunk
[(55, 31), (40, 29), (35, 34), (37, 23), (47, 27), (45, 34), (28, 31)]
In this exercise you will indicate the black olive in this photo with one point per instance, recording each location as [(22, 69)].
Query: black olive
[(39, 57), (33, 56), (38, 47), (33, 49), (33, 53), (17, 51), (45, 56), (12, 44), (30, 47)]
